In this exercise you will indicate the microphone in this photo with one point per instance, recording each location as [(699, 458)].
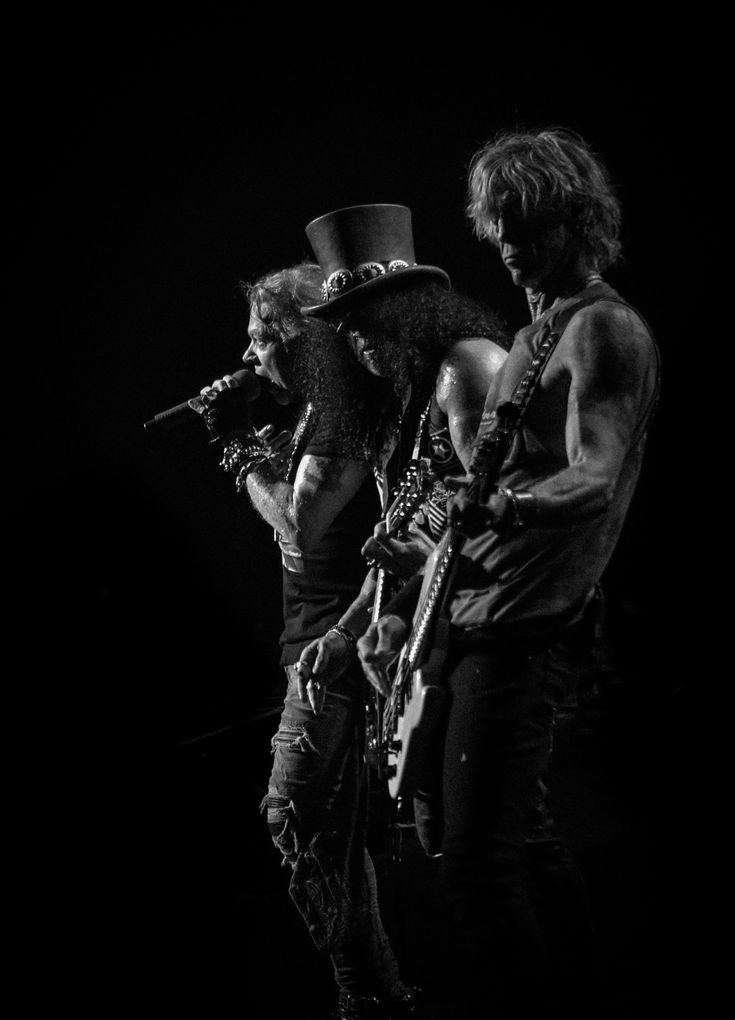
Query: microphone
[(248, 383)]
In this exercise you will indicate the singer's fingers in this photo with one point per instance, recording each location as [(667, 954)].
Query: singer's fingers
[(281, 440), (317, 692), (305, 665), (230, 382), (301, 685), (322, 658)]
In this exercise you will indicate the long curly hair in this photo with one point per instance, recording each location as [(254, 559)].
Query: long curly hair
[(550, 172), (414, 328), (349, 403)]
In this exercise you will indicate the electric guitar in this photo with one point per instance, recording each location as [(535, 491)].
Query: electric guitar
[(415, 485), (415, 706)]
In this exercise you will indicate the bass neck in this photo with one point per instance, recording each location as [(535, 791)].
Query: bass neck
[(437, 574)]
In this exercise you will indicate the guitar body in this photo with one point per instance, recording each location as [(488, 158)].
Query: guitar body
[(415, 707), (424, 701)]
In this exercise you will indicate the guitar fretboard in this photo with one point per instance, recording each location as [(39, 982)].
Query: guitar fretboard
[(434, 592)]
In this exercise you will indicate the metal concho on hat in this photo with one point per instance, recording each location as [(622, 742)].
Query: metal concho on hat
[(342, 280)]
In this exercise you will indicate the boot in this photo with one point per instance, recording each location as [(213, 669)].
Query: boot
[(404, 1007), (358, 1007), (368, 1007)]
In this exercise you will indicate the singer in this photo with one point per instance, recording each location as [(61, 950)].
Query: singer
[(319, 494)]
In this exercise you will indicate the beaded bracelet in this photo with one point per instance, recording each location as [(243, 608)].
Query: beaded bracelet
[(345, 634), (236, 453)]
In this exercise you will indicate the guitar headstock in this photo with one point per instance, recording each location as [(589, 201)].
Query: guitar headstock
[(414, 486)]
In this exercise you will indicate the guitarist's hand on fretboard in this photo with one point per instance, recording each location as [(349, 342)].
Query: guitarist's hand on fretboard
[(471, 518), (403, 557), (378, 649)]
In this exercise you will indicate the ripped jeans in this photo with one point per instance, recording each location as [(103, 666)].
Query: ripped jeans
[(317, 804)]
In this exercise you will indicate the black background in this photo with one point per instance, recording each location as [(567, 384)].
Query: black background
[(157, 164)]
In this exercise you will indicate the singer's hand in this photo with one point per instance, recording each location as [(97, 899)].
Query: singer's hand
[(378, 649), (277, 446), (312, 690), (224, 407)]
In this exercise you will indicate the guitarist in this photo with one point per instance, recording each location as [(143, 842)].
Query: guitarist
[(537, 546), (439, 350)]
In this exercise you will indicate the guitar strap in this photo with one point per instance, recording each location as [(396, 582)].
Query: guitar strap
[(546, 340)]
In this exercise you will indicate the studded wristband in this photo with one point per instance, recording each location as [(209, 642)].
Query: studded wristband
[(346, 636)]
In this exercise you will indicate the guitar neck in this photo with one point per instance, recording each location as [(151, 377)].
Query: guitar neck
[(433, 590), (382, 593)]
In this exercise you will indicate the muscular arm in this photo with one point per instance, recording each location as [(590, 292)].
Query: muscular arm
[(608, 359), (302, 512), (609, 356), (464, 378)]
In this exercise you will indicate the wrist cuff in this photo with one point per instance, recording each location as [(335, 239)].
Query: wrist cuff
[(523, 508)]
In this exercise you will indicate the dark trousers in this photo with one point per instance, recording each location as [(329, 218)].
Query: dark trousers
[(497, 746)]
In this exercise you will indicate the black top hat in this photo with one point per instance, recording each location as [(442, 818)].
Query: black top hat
[(362, 249)]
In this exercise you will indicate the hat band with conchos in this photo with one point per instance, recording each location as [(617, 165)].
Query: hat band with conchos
[(362, 249), (343, 280)]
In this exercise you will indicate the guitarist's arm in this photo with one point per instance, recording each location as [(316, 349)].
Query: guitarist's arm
[(462, 384), (605, 360), (404, 556), (329, 656), (382, 641), (463, 379)]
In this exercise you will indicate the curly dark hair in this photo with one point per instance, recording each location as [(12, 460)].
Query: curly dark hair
[(349, 402), (549, 172), (424, 320)]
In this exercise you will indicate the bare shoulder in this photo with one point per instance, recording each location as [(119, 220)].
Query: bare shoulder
[(472, 350), (609, 352), (607, 329), (608, 319), (471, 359)]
